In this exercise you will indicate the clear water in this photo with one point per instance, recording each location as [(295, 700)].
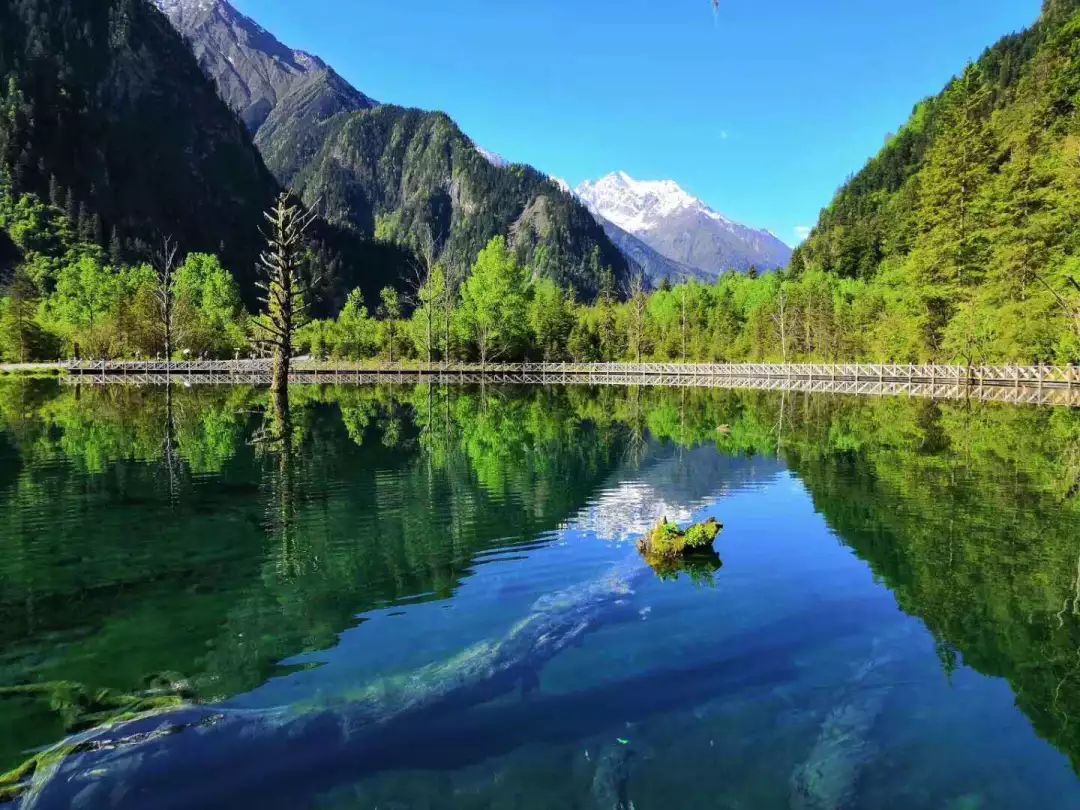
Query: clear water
[(431, 598)]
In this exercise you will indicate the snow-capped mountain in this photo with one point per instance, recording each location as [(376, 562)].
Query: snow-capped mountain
[(681, 227)]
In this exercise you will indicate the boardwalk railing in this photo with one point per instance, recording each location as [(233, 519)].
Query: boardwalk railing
[(1019, 395), (1016, 376)]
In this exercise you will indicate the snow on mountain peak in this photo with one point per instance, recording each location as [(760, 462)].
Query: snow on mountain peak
[(562, 185), (638, 206), (679, 226)]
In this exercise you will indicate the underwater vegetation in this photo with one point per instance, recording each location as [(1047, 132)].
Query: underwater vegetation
[(81, 708)]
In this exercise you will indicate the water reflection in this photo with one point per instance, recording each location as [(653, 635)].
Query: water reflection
[(218, 538)]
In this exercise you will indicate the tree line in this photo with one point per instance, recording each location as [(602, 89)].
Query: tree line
[(965, 224), (65, 295)]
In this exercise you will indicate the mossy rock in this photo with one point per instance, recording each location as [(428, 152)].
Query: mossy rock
[(671, 551), (668, 542)]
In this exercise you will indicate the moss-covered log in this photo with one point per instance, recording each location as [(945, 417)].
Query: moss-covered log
[(668, 542)]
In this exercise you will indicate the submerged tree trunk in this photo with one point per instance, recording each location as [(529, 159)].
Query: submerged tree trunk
[(236, 744), (279, 383)]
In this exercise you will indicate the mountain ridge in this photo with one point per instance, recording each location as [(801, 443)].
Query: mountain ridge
[(107, 114), (256, 73)]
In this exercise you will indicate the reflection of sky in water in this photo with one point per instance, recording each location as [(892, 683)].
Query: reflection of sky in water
[(674, 484), (734, 690)]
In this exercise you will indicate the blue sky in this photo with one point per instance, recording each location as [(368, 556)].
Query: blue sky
[(761, 109)]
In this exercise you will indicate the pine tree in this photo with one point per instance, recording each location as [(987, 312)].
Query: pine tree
[(958, 165), (639, 307), (18, 331), (56, 193), (85, 226), (71, 210), (607, 285), (116, 248)]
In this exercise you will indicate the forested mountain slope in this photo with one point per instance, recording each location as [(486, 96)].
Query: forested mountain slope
[(964, 227), (413, 178), (407, 177), (106, 114)]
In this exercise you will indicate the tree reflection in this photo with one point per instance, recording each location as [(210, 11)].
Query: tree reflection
[(342, 499)]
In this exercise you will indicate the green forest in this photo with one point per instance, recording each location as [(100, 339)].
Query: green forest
[(957, 243), (960, 236)]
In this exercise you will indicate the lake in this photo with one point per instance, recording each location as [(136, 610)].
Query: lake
[(424, 597)]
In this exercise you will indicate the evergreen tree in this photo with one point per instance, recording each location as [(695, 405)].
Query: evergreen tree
[(116, 248), (21, 339), (957, 167)]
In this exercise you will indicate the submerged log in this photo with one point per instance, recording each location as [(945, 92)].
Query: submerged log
[(225, 747), (80, 707), (828, 779)]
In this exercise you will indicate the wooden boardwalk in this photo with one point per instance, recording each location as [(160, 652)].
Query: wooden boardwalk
[(1047, 385), (1035, 376)]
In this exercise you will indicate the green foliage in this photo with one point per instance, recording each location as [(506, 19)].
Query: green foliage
[(493, 313), (63, 296), (668, 541), (388, 172), (963, 226), (390, 313), (550, 317), (433, 301), (210, 318)]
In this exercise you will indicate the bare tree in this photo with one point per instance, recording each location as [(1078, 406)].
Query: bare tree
[(683, 319), (639, 303), (165, 260), (283, 285), (781, 320)]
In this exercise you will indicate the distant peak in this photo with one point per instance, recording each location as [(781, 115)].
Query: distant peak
[(679, 226), (171, 7), (638, 205)]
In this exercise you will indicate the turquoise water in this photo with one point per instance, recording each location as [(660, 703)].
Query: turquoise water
[(429, 598)]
